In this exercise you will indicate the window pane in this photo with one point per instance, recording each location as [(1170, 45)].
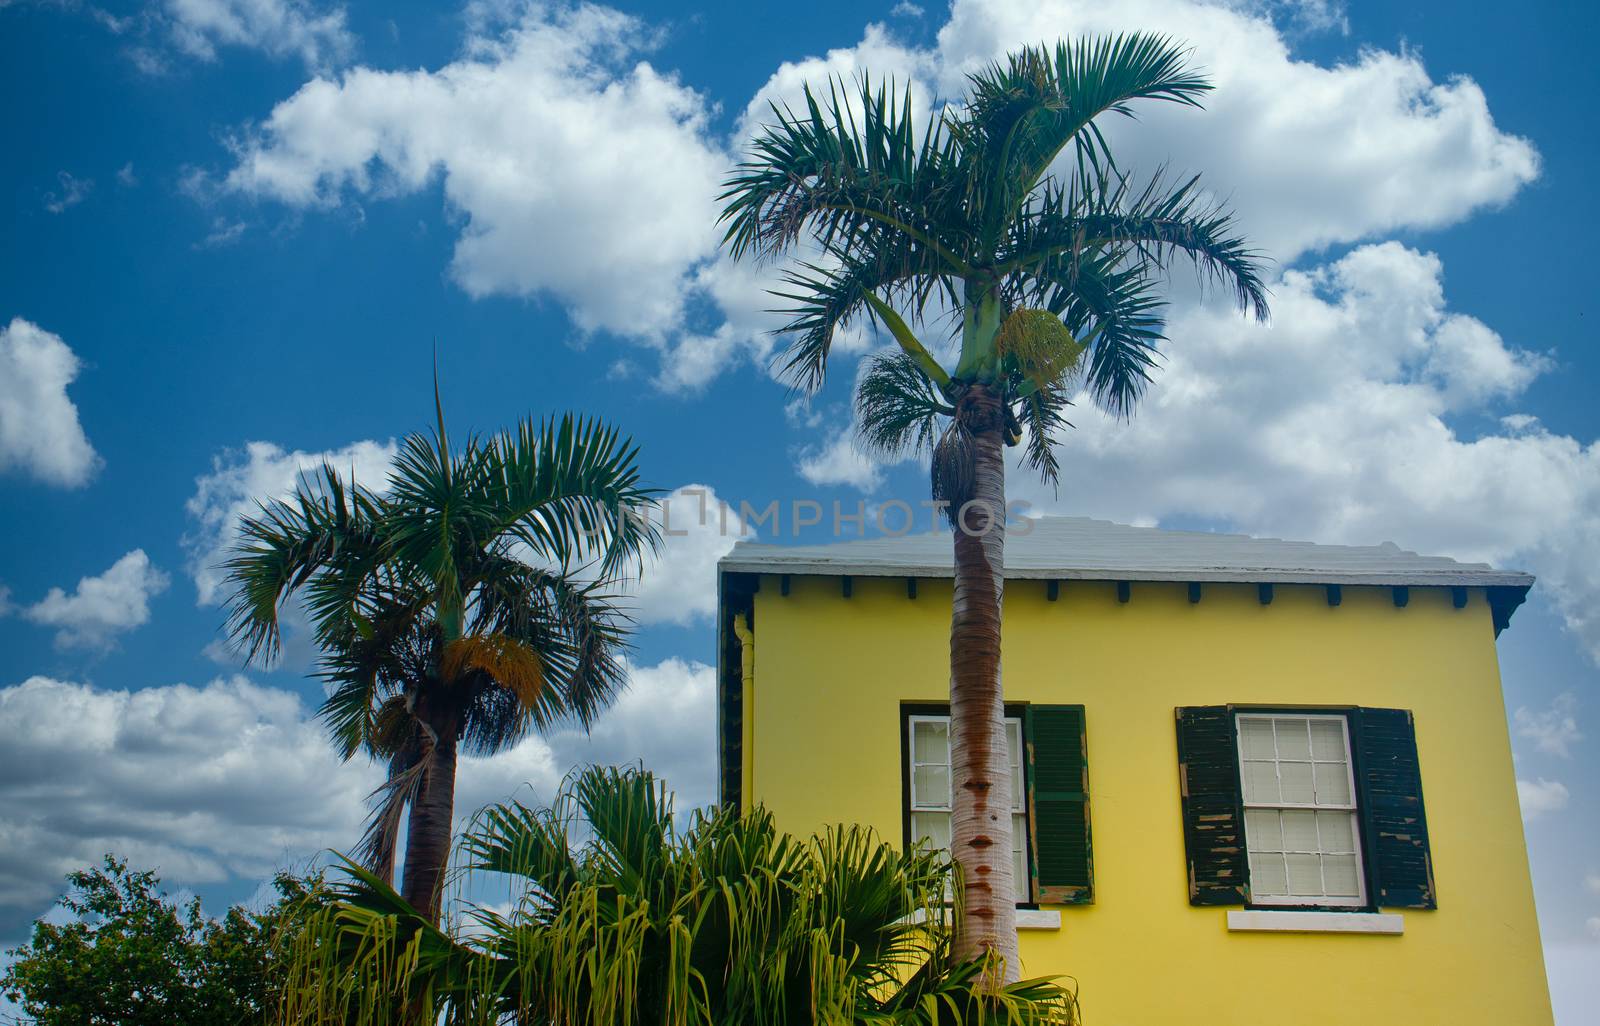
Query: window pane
[(1296, 781), (1019, 796), (1337, 831), (934, 827), (1339, 876), (1267, 876), (1294, 739), (1299, 830), (1260, 782), (1305, 874), (1262, 830), (930, 741), (1303, 842), (1327, 740), (1333, 783), (1019, 857), (930, 787), (1255, 737)]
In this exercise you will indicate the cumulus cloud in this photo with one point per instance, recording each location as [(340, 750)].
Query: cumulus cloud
[(665, 719), (39, 429), (102, 607), (679, 583), (231, 780), (242, 479), (228, 779), (1541, 796), (839, 461), (1554, 730), (1309, 154), (1335, 423), (316, 35), (578, 169), (576, 164)]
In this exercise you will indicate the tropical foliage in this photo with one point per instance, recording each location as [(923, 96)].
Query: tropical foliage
[(129, 955), (463, 606), (1006, 217), (618, 918)]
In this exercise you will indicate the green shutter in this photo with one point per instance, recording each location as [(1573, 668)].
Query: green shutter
[(1394, 824), (1213, 813), (1058, 770)]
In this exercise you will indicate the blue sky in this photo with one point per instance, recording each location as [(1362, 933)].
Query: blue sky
[(237, 232)]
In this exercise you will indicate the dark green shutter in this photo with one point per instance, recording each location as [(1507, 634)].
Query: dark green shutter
[(1394, 825), (1058, 770), (1213, 814)]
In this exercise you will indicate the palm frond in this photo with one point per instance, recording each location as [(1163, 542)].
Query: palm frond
[(727, 921), (826, 174), (569, 488), (897, 407), (1024, 112)]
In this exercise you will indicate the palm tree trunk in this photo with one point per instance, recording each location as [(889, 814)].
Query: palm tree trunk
[(428, 830), (980, 769)]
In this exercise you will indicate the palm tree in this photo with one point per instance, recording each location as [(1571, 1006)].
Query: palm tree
[(461, 607), (618, 919), (1051, 278)]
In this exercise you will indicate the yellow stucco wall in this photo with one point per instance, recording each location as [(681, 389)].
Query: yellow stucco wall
[(822, 746)]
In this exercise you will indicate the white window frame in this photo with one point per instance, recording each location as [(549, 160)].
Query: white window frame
[(1353, 807), (913, 806)]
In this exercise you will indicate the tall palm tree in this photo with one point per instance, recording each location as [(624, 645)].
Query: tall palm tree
[(618, 917), (463, 606), (1007, 213)]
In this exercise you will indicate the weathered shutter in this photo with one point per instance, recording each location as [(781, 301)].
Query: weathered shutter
[(1213, 813), (1058, 768), (1394, 824)]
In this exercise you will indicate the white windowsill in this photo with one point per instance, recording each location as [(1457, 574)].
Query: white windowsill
[(1316, 922), (1027, 918), (1038, 919)]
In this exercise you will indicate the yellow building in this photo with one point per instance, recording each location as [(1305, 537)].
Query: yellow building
[(1224, 743)]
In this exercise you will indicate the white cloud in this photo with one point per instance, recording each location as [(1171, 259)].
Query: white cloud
[(1591, 883), (1335, 423), (839, 461), (577, 165), (1555, 730), (39, 429), (72, 192), (1311, 155), (1593, 926), (228, 779), (1541, 796), (579, 170), (318, 36), (232, 780), (262, 471), (102, 607), (666, 719), (679, 584)]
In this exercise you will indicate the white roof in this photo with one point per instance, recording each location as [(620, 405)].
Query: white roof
[(1079, 548)]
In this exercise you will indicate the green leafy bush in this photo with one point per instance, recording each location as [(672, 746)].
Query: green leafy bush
[(624, 920)]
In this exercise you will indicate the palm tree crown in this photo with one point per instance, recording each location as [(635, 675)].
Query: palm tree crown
[(465, 605), (1008, 212)]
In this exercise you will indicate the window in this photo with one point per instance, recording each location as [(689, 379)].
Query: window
[(1299, 792), (929, 798)]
